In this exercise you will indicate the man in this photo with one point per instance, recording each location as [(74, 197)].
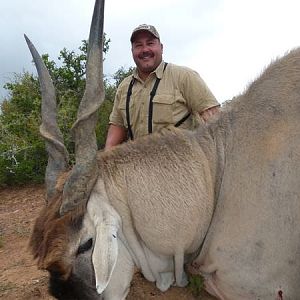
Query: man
[(157, 94)]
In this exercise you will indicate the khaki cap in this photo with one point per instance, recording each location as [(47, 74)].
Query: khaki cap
[(144, 27)]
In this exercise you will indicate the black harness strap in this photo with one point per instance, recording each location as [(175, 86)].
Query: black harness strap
[(152, 94), (150, 110), (150, 114), (129, 92), (182, 120)]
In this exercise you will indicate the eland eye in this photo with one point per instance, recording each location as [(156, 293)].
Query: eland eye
[(85, 246)]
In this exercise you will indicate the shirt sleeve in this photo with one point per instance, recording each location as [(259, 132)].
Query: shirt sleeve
[(197, 94), (116, 117)]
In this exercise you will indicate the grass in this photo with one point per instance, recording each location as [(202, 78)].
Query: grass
[(5, 287), (1, 241), (196, 284), (22, 230)]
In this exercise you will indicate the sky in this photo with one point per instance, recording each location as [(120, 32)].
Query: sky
[(228, 42)]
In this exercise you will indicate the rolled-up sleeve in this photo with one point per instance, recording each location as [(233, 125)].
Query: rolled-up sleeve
[(196, 92), (116, 117)]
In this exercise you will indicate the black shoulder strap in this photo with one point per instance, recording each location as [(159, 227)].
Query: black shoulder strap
[(152, 94), (182, 120), (129, 92)]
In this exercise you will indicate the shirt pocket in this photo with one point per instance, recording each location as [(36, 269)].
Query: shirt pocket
[(163, 106)]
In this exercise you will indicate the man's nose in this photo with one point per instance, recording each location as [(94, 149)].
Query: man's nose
[(145, 48)]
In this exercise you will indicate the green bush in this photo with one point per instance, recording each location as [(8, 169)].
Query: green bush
[(23, 157)]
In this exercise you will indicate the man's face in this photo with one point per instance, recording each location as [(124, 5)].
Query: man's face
[(147, 52)]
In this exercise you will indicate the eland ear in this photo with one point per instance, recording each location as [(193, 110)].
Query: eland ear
[(107, 223), (105, 253)]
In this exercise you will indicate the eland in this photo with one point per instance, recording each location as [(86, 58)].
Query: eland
[(222, 201)]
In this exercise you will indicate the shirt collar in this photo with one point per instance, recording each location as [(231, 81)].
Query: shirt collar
[(158, 71)]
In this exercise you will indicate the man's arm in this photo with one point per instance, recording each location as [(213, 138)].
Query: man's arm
[(197, 94), (208, 113), (115, 136)]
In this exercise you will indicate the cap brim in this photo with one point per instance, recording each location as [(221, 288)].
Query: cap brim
[(137, 31)]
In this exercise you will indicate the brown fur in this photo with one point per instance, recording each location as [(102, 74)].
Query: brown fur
[(52, 235)]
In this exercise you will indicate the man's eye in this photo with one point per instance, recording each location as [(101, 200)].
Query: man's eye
[(85, 246)]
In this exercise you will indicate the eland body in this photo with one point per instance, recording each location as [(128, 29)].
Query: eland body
[(224, 200)]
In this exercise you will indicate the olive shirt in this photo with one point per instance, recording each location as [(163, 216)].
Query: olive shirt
[(180, 91)]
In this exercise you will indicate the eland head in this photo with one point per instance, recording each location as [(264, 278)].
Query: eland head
[(65, 234)]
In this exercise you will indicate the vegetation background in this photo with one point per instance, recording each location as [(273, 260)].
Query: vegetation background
[(23, 157)]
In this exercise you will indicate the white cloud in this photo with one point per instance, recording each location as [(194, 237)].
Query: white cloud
[(250, 34)]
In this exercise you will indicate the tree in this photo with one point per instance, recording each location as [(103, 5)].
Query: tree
[(22, 154), (22, 151), (121, 74)]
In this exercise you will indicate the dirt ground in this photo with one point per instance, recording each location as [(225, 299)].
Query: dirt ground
[(19, 276)]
